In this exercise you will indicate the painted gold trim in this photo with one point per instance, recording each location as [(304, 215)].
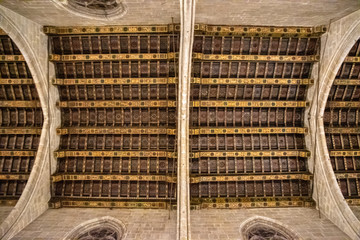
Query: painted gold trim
[(260, 31), (113, 81), (20, 104), (52, 30), (171, 80), (342, 130), (344, 153), (347, 175), (267, 104), (109, 57), (352, 60), (251, 202), (4, 153), (116, 104), (15, 81), (221, 30), (346, 82), (12, 58), (339, 104), (249, 130), (257, 58), (257, 81), (21, 130), (76, 130), (260, 153), (5, 176), (353, 201), (304, 176), (8, 202), (88, 177), (61, 154), (109, 204)]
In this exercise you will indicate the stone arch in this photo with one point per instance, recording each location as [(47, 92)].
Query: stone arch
[(338, 41), (259, 224), (79, 8), (112, 225), (22, 214)]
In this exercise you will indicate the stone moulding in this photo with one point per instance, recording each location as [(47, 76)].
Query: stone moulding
[(268, 223), (25, 210), (330, 201), (100, 14), (103, 222)]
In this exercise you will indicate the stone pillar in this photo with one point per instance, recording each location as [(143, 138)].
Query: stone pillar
[(187, 11)]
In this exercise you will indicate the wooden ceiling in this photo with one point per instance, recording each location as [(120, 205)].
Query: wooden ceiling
[(21, 120), (118, 88), (342, 125), (249, 120)]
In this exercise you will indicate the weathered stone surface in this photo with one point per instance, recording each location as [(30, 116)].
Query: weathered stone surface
[(139, 223), (225, 224)]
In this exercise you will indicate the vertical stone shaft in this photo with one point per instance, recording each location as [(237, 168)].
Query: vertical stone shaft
[(187, 11)]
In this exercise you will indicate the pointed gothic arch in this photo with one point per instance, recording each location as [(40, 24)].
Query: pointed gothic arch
[(259, 227), (98, 228)]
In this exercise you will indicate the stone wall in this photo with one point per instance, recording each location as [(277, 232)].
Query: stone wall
[(235, 12), (139, 12), (206, 224), (4, 212), (225, 223), (139, 223)]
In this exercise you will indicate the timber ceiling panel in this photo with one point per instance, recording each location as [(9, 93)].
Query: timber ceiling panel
[(21, 120), (342, 125), (118, 106), (247, 131)]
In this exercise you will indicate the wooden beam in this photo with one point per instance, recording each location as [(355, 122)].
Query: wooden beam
[(112, 57), (346, 82), (172, 80), (115, 177), (114, 81), (347, 175), (61, 154), (12, 58), (258, 104), (10, 176), (255, 81), (352, 60), (116, 104), (52, 30), (253, 202), (345, 104), (14, 81), (7, 153), (111, 203), (255, 58), (252, 177), (340, 130), (112, 130), (260, 31), (344, 153), (20, 104), (249, 130), (21, 130), (252, 153)]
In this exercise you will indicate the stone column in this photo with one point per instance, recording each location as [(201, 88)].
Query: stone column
[(187, 12)]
